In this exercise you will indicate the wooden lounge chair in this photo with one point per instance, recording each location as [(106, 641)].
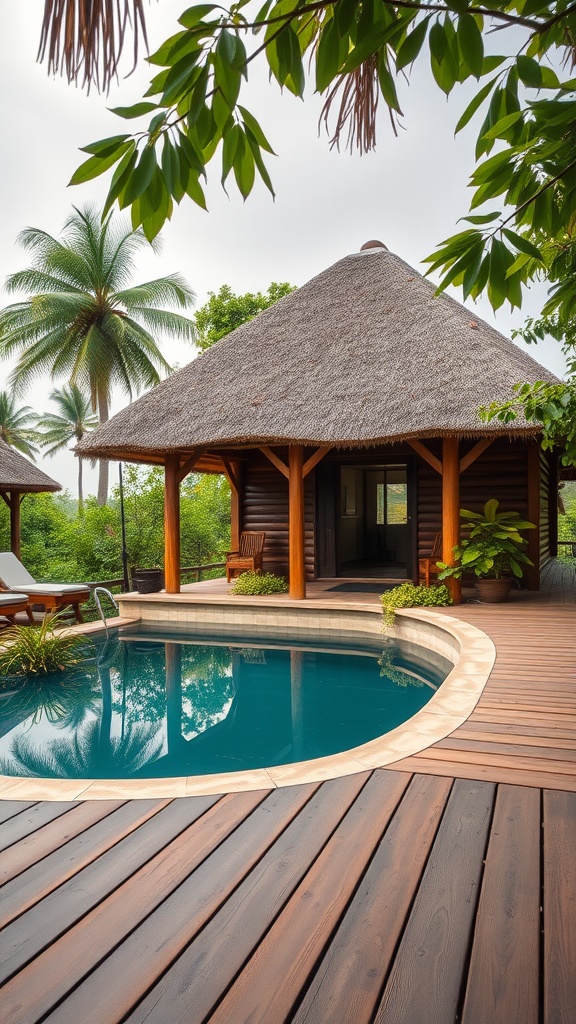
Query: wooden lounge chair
[(50, 596), (249, 556), (10, 603), (427, 568)]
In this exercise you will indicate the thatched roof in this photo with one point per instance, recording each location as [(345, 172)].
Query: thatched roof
[(17, 474), (364, 353)]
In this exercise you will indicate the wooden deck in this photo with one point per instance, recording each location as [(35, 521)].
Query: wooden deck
[(445, 893), (523, 729)]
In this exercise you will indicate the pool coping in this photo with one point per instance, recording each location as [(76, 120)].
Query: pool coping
[(450, 706)]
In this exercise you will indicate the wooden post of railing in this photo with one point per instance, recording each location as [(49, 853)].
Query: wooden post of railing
[(451, 508), (172, 525), (297, 578), (15, 523)]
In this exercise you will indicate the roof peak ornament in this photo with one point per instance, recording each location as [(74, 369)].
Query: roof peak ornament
[(374, 244)]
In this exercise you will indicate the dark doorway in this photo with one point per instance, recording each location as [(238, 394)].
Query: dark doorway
[(373, 535)]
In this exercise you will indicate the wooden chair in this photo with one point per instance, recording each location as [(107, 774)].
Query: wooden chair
[(427, 567), (249, 556)]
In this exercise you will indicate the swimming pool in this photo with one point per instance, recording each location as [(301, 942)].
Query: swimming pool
[(153, 705)]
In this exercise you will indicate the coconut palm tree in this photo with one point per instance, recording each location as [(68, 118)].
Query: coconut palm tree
[(74, 419), (17, 425), (83, 320)]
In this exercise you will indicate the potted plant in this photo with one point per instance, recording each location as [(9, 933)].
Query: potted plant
[(493, 551)]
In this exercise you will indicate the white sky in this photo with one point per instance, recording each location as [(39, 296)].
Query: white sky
[(409, 193)]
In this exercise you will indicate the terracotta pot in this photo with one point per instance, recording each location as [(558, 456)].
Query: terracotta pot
[(493, 591)]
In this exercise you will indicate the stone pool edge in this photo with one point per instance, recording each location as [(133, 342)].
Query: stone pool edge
[(471, 650)]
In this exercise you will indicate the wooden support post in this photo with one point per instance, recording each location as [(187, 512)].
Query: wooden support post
[(532, 573), (297, 579), (451, 508), (15, 523), (172, 524)]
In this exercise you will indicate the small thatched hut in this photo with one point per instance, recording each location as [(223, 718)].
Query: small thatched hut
[(19, 477), (346, 420)]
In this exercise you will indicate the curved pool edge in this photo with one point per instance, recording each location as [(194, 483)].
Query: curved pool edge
[(471, 650)]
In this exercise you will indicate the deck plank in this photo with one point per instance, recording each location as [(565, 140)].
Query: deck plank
[(506, 939), (53, 836), (40, 926), (19, 826), (426, 976), (194, 983), (350, 977), (559, 903), (120, 981), (272, 980), (35, 991)]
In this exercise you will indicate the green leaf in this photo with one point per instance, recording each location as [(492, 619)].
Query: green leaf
[(244, 168), (105, 147), (344, 14), (198, 98), (262, 170), (196, 193), (473, 106), (529, 72), (96, 165), (251, 123), (137, 110), (412, 44), (481, 218), (170, 166), (471, 44), (328, 55), (192, 17), (120, 178), (141, 176), (501, 127), (523, 244), (229, 149)]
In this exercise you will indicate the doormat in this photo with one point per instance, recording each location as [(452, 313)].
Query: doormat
[(362, 588)]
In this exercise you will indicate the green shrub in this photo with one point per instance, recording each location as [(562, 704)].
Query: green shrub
[(412, 595), (255, 582), (38, 650)]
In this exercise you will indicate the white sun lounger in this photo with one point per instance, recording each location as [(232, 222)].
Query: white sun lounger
[(10, 603), (51, 596)]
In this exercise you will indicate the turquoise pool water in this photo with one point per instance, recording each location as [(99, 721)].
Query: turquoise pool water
[(150, 705)]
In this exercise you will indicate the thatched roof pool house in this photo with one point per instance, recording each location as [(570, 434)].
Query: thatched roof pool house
[(17, 478), (346, 420)]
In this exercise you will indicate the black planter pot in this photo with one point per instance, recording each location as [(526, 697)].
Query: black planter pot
[(148, 581)]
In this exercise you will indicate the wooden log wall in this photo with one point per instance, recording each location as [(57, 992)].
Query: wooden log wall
[(500, 472), (264, 506)]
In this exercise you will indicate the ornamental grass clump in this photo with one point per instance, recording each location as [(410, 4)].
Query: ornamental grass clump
[(412, 595), (255, 582), (29, 651)]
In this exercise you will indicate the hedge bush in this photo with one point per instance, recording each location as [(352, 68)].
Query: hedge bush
[(256, 582)]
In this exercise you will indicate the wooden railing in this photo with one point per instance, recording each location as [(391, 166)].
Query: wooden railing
[(197, 570)]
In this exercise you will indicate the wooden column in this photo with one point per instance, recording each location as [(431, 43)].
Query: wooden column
[(297, 579), (15, 523), (532, 572), (172, 524), (451, 508)]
